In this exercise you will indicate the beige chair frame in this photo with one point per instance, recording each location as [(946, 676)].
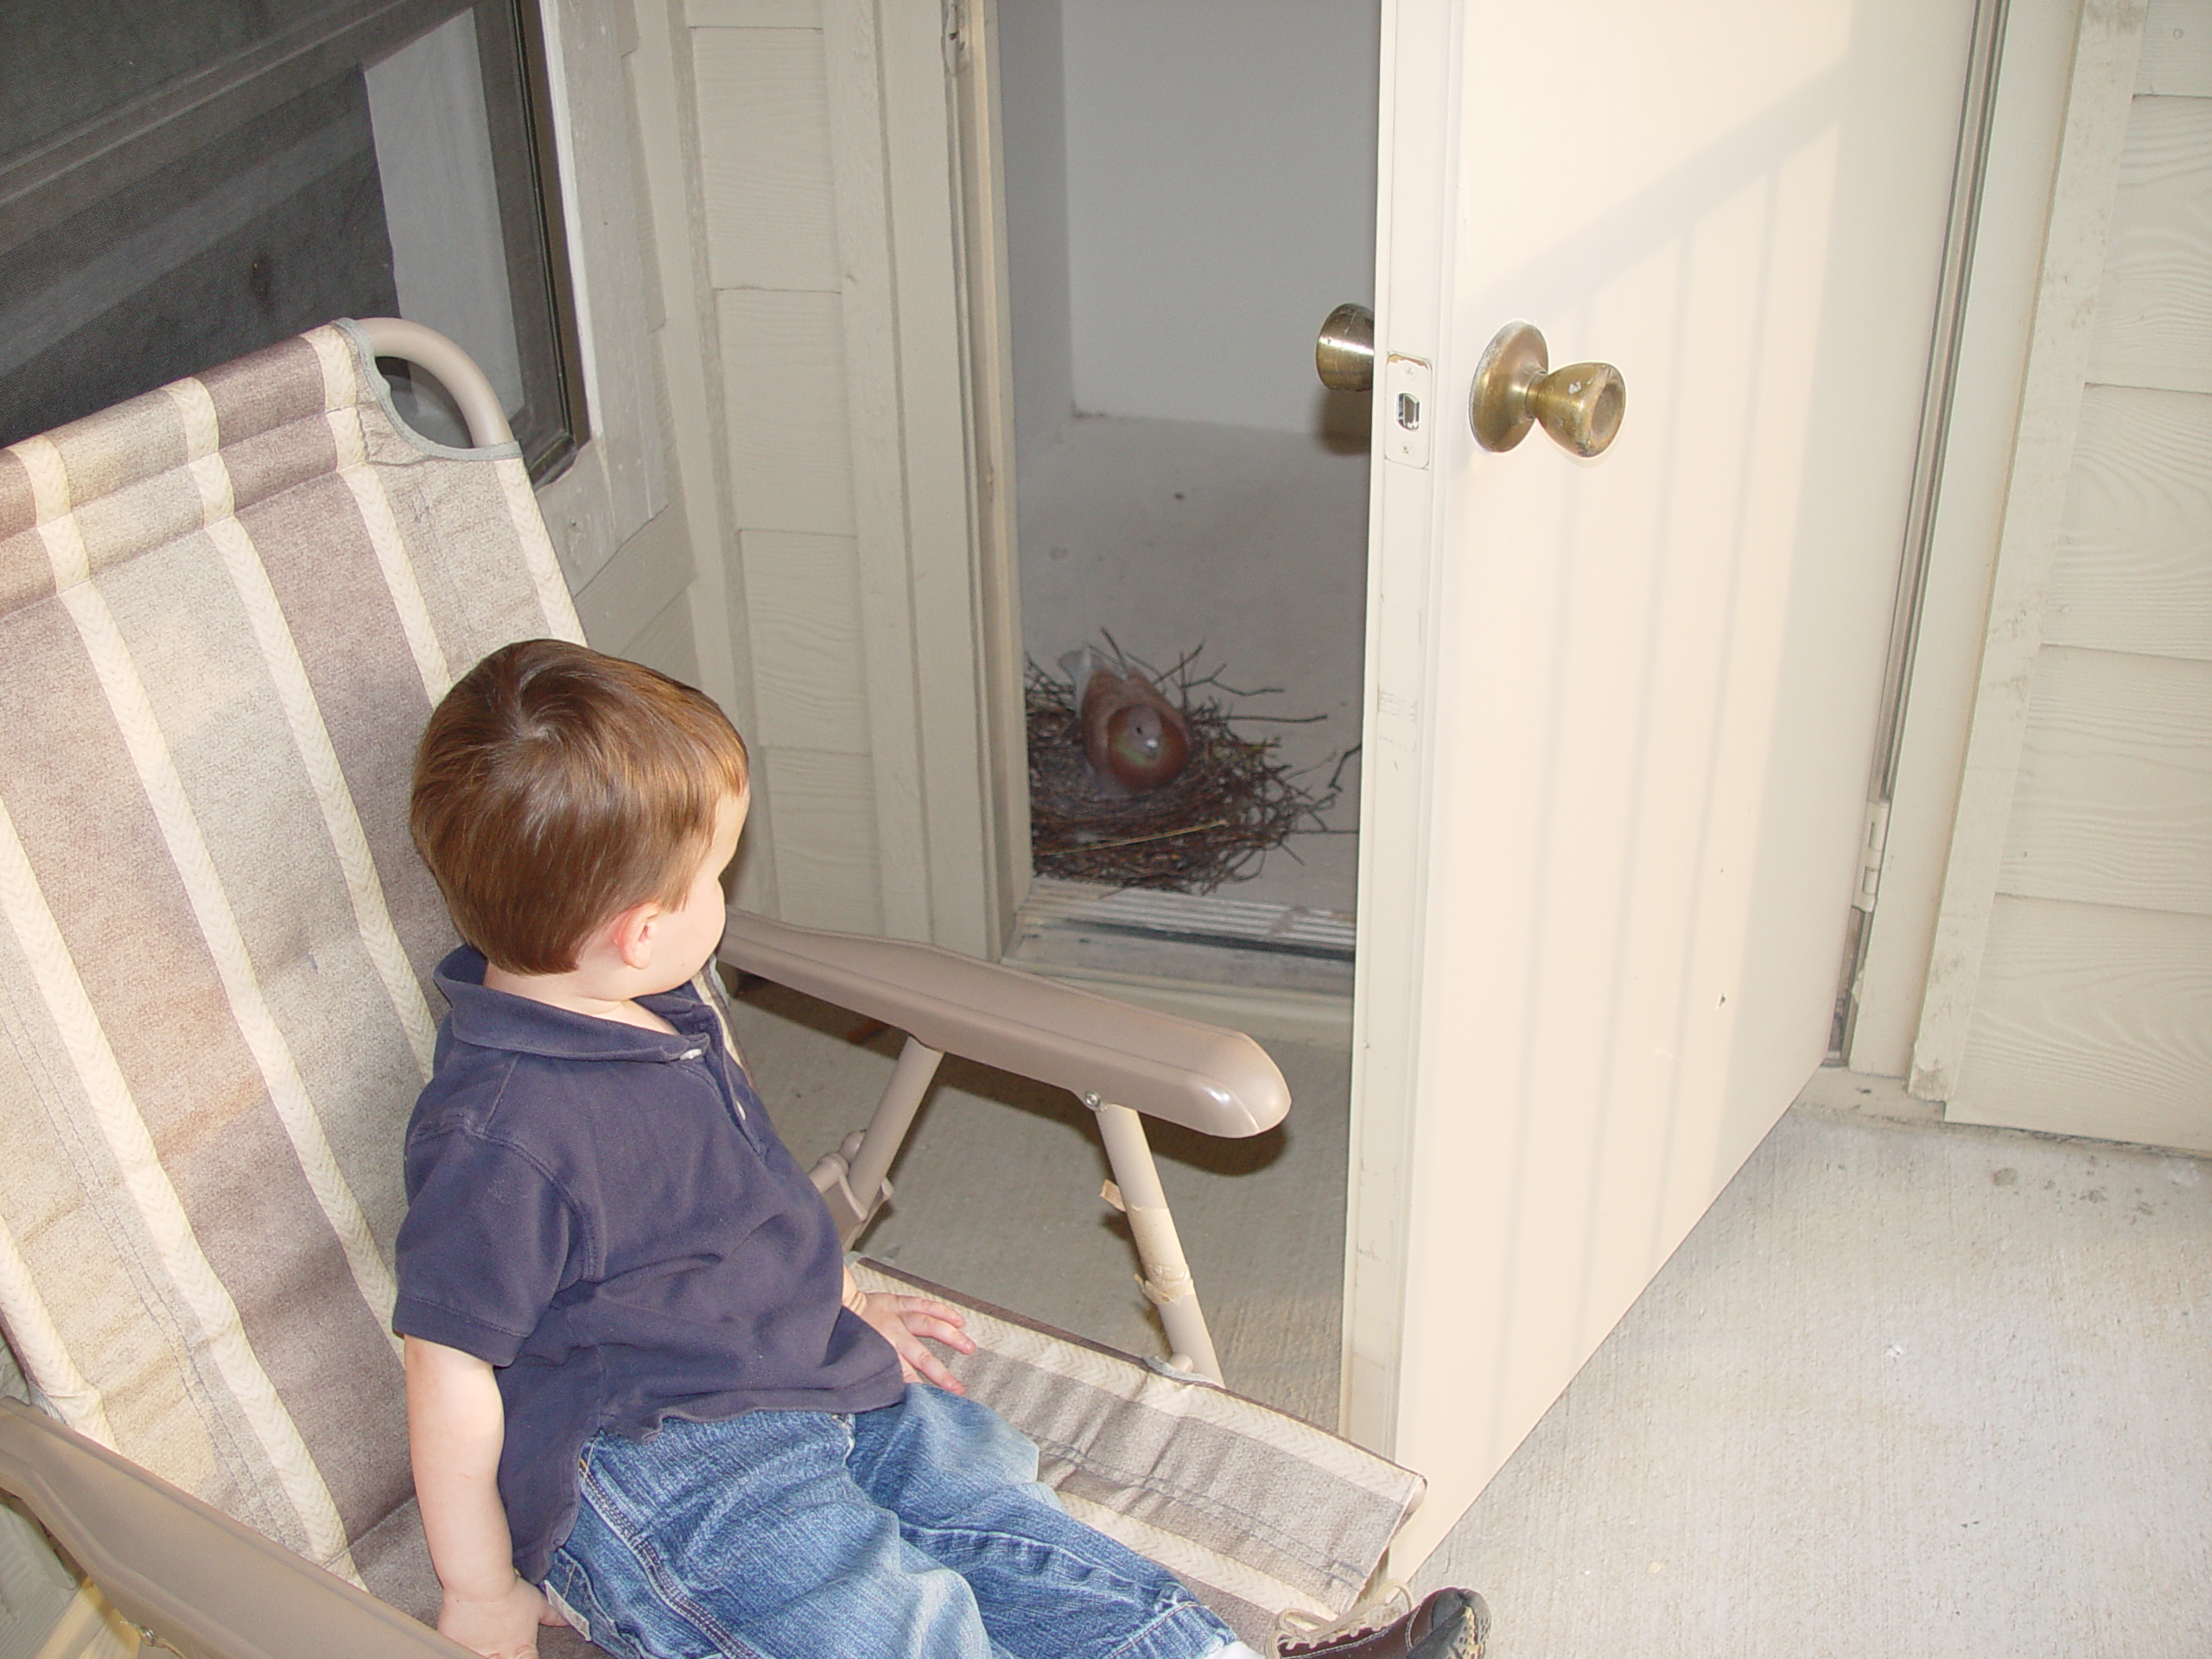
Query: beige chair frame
[(1120, 1061)]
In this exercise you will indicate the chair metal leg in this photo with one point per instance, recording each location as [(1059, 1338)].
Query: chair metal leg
[(90, 1629), (851, 1179), (1166, 1276)]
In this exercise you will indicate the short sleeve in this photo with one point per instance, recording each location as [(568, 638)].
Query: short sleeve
[(487, 1245)]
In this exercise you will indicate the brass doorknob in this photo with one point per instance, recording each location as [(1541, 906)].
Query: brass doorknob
[(1515, 388), (1345, 355)]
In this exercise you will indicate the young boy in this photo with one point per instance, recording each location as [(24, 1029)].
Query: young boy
[(638, 1372)]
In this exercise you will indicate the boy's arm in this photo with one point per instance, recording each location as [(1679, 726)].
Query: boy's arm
[(457, 1425)]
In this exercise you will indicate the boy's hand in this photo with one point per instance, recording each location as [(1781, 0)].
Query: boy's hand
[(502, 1627), (904, 1321)]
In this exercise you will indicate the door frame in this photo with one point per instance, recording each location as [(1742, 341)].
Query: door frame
[(986, 317), (1417, 158), (2033, 468), (2034, 66), (1404, 565), (913, 156)]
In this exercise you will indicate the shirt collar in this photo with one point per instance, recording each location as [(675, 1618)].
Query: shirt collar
[(487, 1019)]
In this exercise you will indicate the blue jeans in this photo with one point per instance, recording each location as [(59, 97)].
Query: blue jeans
[(915, 1532)]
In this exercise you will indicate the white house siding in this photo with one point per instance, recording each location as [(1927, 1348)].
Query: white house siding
[(809, 185), (777, 502), (771, 225), (2093, 1011)]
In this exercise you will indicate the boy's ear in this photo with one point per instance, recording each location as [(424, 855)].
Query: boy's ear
[(630, 934)]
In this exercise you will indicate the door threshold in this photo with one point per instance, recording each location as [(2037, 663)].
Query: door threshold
[(1271, 971)]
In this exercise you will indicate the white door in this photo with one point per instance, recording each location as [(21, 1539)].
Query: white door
[(1620, 710)]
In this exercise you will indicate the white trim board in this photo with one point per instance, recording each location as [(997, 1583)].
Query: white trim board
[(2027, 127), (2101, 90)]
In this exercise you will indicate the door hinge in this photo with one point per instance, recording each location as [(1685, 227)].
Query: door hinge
[(1873, 836), (956, 36)]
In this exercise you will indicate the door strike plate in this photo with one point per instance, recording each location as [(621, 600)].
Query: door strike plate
[(1408, 410)]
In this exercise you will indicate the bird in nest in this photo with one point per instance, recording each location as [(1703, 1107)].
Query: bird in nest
[(1133, 737)]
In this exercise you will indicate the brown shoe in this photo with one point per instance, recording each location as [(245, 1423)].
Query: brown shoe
[(1448, 1625)]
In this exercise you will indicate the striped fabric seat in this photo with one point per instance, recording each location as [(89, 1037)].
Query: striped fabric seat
[(226, 608), (1254, 1510)]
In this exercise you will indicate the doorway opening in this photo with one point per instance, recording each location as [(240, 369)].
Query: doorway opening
[(1187, 194)]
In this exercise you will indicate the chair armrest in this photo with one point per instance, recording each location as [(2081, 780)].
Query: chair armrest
[(1201, 1077), (207, 1586)]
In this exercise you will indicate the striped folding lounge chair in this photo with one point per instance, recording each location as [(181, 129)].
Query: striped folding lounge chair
[(226, 608)]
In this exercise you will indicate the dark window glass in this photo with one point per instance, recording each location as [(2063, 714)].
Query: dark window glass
[(184, 182)]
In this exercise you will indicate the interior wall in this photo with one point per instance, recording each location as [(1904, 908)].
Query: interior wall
[(1032, 114), (1220, 200)]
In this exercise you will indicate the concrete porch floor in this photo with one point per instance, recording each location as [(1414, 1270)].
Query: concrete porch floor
[(1906, 1389)]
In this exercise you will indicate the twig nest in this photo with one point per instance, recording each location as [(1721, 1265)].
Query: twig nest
[(1223, 804)]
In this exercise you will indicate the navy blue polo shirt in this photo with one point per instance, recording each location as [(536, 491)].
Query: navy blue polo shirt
[(606, 1215)]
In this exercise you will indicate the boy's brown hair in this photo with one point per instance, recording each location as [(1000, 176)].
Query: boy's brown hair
[(556, 787)]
